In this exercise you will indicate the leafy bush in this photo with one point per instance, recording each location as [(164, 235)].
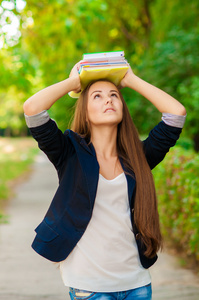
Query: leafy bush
[(177, 185)]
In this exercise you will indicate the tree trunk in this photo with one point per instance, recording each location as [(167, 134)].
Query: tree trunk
[(196, 142)]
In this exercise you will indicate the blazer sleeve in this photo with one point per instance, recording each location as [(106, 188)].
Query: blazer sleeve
[(161, 138), (50, 138)]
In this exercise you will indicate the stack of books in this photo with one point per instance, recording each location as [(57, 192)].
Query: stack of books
[(104, 65)]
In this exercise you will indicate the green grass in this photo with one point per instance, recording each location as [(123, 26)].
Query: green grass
[(16, 157)]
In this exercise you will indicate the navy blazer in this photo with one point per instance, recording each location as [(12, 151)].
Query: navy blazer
[(78, 170)]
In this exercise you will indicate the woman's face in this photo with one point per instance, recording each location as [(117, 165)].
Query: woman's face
[(104, 106)]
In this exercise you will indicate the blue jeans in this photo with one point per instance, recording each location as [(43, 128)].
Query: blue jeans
[(142, 293)]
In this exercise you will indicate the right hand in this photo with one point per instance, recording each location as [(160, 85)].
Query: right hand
[(75, 75)]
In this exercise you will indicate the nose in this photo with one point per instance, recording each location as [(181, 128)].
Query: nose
[(109, 100)]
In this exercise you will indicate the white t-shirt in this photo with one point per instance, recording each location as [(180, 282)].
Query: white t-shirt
[(106, 257)]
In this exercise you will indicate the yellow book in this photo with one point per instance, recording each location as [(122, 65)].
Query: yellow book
[(112, 73)]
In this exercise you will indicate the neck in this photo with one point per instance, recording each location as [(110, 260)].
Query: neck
[(104, 140)]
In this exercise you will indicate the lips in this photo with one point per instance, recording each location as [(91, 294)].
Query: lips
[(109, 109)]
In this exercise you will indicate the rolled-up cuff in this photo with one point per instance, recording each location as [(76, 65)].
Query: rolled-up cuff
[(173, 120), (37, 120)]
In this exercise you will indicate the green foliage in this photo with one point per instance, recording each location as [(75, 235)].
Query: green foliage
[(159, 37), (189, 90), (177, 185), (168, 14), (172, 65)]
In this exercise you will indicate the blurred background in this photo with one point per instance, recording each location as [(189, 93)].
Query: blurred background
[(40, 41)]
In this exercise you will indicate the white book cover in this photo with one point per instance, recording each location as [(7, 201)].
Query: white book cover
[(100, 55)]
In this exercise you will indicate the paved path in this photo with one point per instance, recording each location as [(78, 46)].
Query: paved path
[(24, 275)]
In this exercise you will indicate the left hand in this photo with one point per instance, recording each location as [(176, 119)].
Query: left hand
[(126, 79)]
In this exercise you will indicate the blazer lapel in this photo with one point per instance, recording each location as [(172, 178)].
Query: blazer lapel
[(90, 168)]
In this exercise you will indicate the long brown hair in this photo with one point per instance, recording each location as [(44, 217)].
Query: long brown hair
[(130, 149)]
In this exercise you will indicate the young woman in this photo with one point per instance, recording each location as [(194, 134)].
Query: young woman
[(103, 225)]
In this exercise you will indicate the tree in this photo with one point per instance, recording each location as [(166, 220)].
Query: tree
[(159, 37)]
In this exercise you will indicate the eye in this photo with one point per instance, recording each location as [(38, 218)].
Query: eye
[(114, 95), (96, 96)]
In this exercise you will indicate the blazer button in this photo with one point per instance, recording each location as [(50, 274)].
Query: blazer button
[(137, 236)]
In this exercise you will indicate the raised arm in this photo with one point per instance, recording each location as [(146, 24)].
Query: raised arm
[(45, 98), (161, 100)]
